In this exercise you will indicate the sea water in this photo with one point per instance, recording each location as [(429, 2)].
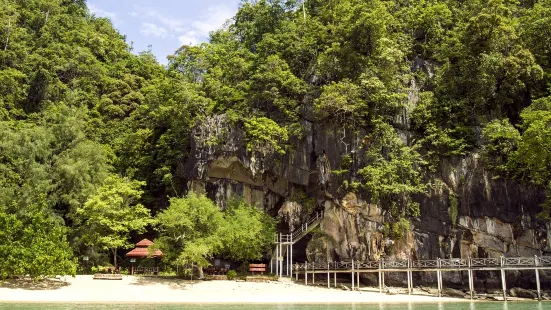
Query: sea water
[(386, 306)]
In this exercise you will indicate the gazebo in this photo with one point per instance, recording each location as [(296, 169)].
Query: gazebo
[(141, 251)]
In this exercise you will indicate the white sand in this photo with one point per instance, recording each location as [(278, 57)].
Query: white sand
[(155, 290)]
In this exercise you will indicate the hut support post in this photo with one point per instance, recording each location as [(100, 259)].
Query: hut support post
[(335, 278)]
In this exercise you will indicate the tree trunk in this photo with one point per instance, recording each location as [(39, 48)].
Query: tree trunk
[(199, 272), (115, 258)]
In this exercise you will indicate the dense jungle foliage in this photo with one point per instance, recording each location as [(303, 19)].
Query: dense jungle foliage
[(93, 137)]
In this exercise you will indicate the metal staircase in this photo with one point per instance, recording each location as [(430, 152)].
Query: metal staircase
[(306, 228), (284, 246)]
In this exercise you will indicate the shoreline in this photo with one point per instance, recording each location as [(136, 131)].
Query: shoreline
[(146, 290)]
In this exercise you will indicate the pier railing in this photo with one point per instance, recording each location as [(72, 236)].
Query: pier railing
[(469, 265), (450, 263)]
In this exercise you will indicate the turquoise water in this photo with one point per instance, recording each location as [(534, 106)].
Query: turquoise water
[(432, 306)]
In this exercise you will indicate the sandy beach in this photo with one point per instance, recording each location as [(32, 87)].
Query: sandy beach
[(158, 290)]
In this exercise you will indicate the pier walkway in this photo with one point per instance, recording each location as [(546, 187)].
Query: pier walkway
[(469, 265)]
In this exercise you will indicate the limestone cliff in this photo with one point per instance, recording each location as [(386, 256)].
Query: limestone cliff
[(467, 211)]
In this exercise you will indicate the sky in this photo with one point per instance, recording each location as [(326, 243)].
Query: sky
[(165, 24)]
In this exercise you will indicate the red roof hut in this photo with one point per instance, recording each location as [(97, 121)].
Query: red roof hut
[(141, 251)]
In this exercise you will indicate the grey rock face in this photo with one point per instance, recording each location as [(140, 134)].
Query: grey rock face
[(468, 212)]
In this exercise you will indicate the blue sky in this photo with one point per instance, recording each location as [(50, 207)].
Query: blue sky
[(165, 24)]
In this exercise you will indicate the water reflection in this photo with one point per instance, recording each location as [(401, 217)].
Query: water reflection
[(380, 306)]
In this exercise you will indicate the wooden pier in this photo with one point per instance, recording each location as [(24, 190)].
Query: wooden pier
[(470, 265)]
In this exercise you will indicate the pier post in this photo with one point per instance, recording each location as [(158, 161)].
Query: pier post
[(536, 262), (313, 273), (411, 282), (291, 256), (328, 277), (439, 278), (352, 274), (471, 283), (287, 263), (409, 277), (357, 280), (382, 272), (380, 277), (280, 254), (296, 272), (503, 281), (306, 273), (335, 278), (277, 259), (380, 283)]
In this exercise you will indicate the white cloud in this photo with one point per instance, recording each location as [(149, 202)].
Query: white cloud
[(213, 19), (172, 23), (152, 30), (102, 13), (189, 38), (188, 32)]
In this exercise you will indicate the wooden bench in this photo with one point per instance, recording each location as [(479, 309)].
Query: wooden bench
[(147, 270), (257, 268), (107, 276)]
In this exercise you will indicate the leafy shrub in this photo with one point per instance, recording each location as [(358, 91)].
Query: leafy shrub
[(232, 274)]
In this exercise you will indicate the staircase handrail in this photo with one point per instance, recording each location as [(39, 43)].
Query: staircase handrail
[(304, 227)]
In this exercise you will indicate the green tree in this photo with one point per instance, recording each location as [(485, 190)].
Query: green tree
[(190, 230), (502, 141), (111, 214), (532, 160), (34, 242), (248, 232), (392, 176)]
